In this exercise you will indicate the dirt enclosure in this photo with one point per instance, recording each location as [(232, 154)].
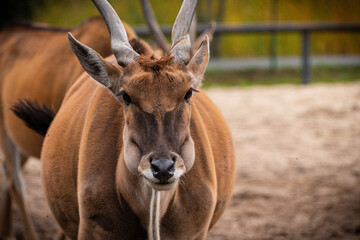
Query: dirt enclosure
[(298, 165)]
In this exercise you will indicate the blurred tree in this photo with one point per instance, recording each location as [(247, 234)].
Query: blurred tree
[(210, 10), (18, 10)]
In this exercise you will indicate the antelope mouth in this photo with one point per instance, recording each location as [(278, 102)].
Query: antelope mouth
[(158, 185), (161, 174), (163, 186)]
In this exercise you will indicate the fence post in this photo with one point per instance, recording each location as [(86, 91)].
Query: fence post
[(306, 57), (273, 36)]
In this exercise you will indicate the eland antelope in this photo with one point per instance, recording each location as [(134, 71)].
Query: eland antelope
[(136, 149), (36, 64)]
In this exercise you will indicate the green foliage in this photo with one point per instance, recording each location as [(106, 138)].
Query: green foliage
[(72, 12)]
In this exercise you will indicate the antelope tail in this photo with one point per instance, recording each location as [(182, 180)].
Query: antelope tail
[(35, 116)]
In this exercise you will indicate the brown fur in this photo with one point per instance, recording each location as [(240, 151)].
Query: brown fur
[(94, 194), (25, 72), (142, 48), (155, 64), (37, 63)]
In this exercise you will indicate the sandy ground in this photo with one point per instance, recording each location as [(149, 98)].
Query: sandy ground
[(298, 165)]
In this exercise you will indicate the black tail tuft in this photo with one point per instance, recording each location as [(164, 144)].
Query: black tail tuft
[(35, 116)]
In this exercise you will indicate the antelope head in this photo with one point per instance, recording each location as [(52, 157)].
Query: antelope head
[(155, 94)]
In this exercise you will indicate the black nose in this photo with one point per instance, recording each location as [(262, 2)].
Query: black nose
[(163, 169)]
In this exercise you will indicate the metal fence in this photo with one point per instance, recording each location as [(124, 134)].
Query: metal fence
[(305, 29)]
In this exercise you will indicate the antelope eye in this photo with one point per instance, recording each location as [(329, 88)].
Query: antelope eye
[(189, 93), (125, 97)]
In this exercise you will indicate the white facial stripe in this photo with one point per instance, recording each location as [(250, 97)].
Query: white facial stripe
[(148, 175), (178, 174)]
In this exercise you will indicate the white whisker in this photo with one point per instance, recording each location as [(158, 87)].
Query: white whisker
[(154, 223)]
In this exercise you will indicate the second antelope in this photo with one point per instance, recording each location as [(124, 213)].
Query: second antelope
[(143, 154)]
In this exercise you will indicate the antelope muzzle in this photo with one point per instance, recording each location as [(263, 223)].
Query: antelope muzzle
[(163, 170)]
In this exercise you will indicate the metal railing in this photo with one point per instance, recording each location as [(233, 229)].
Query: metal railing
[(305, 29)]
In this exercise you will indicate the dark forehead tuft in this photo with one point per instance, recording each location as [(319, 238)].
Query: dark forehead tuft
[(155, 65)]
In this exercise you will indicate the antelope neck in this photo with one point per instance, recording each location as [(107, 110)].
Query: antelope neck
[(140, 196)]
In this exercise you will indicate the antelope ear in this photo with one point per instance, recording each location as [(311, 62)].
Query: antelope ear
[(199, 62), (95, 65)]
